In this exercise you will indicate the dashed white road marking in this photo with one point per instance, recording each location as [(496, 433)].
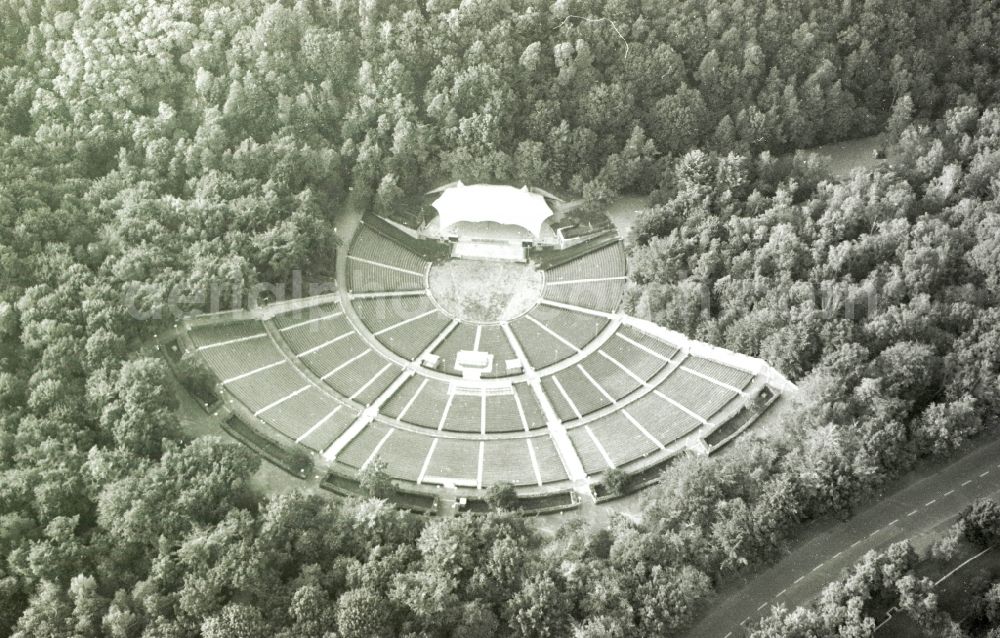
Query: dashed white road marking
[(837, 554), (780, 593), (913, 513), (930, 502), (855, 543), (966, 483), (762, 605), (893, 522), (949, 493), (984, 474), (817, 567)]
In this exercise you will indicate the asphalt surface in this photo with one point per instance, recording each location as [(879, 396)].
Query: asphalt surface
[(920, 511)]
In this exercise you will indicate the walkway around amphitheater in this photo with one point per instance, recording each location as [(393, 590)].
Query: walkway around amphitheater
[(928, 502)]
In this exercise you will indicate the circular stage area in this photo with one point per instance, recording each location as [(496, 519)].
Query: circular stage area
[(485, 291)]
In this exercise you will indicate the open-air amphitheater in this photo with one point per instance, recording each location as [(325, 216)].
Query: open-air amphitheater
[(464, 358)]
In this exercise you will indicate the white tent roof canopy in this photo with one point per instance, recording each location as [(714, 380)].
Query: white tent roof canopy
[(492, 203)]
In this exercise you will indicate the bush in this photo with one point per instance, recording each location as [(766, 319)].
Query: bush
[(502, 496), (616, 482)]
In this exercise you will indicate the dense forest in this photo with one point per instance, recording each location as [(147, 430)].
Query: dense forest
[(149, 150)]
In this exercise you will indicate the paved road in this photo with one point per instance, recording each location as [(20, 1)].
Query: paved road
[(918, 512)]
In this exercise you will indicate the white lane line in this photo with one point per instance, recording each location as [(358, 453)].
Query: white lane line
[(600, 448), (966, 483), (913, 513), (325, 344), (948, 493), (728, 635), (308, 321), (930, 502), (412, 399), (855, 543), (252, 372), (374, 454), (893, 522), (318, 424), (219, 344), (817, 567), (427, 461), (836, 555), (281, 400), (404, 322), (780, 593), (762, 605), (344, 365), (798, 580), (534, 462), (984, 474), (387, 266)]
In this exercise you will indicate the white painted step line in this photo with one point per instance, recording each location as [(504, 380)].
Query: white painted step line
[(600, 448), (721, 384), (427, 462), (253, 372), (677, 405), (596, 384), (534, 461), (478, 339), (639, 345), (318, 424), (482, 413), (275, 404), (444, 413), (371, 381), (520, 412), (479, 471), (566, 396), (344, 365), (623, 367), (387, 266), (374, 454), (313, 320), (412, 399), (563, 282), (405, 321), (553, 333), (323, 345), (646, 433), (230, 342), (575, 308)]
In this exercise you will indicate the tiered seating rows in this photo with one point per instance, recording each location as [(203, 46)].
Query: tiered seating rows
[(494, 340), (661, 419), (609, 375), (575, 327), (508, 460), (643, 364), (529, 403), (603, 262), (541, 348), (410, 340), (219, 332), (383, 312), (373, 246), (364, 277), (663, 348), (597, 295), (721, 372), (694, 393), (621, 439), (235, 359), (584, 395), (563, 409), (297, 316), (464, 413), (310, 335)]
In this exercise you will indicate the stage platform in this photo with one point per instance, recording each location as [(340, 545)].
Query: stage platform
[(488, 250)]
